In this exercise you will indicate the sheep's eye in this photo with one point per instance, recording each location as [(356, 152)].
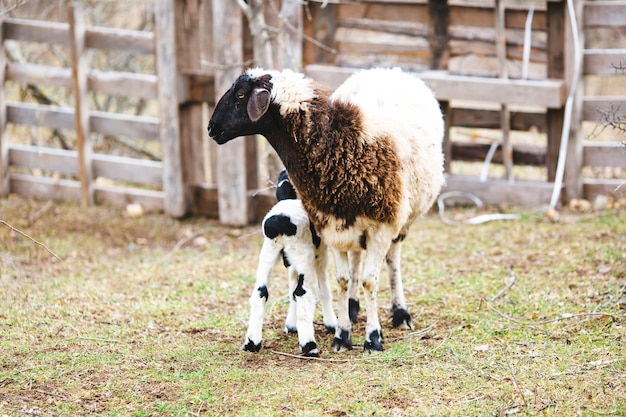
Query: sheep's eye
[(240, 95)]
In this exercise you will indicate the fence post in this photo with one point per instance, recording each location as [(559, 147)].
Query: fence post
[(231, 177), (169, 133), (4, 140), (81, 101)]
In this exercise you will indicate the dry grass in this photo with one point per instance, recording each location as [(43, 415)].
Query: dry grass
[(124, 325)]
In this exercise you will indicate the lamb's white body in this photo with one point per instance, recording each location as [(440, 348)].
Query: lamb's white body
[(305, 260)]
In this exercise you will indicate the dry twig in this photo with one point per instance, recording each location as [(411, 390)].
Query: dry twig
[(31, 239)]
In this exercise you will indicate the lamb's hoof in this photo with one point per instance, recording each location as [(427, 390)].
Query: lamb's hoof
[(401, 319), (310, 350), (290, 330), (343, 342), (250, 346), (330, 329), (375, 342), (353, 309)]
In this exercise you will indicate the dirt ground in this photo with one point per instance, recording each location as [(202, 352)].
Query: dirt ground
[(145, 316)]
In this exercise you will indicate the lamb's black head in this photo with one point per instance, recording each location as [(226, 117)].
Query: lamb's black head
[(284, 189), (241, 108)]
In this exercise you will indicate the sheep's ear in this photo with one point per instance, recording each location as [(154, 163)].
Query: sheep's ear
[(258, 103)]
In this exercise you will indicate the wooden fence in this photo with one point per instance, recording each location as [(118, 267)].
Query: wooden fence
[(486, 68)]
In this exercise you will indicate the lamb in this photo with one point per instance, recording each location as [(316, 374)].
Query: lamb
[(288, 233), (366, 161)]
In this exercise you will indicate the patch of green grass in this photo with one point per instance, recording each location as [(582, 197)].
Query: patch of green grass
[(127, 326)]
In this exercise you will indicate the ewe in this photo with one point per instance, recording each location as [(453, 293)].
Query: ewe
[(366, 161)]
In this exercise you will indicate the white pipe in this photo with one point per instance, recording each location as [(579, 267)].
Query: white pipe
[(528, 30), (567, 121)]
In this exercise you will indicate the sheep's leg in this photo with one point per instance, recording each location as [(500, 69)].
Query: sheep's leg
[(325, 293), (353, 289), (342, 340), (267, 259), (374, 257), (399, 313), (291, 322), (305, 310)]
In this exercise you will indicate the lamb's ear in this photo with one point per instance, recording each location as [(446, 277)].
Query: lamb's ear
[(258, 103)]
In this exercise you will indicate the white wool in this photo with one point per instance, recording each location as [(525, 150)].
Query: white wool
[(290, 90)]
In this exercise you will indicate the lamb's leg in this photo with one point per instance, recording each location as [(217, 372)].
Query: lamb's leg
[(305, 310), (291, 322), (342, 340), (399, 313), (353, 289), (325, 294), (267, 259)]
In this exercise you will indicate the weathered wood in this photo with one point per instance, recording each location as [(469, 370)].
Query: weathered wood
[(573, 181), (139, 171), (197, 87), (605, 13), (605, 154), (499, 191), (556, 69), (4, 139), (187, 21), (95, 37), (592, 188), (123, 83), (81, 101), (490, 118), (45, 187), (601, 108), (604, 61), (477, 152), (321, 27), (438, 36), (231, 157), (547, 93), (169, 134), (100, 122), (291, 13), (120, 196)]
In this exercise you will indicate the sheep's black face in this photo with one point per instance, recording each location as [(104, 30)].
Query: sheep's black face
[(239, 110)]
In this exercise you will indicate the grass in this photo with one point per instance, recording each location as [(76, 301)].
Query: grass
[(126, 325)]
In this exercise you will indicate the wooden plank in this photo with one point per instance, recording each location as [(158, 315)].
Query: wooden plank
[(501, 191), (175, 204), (198, 86), (4, 138), (187, 23), (135, 41), (592, 188), (546, 93), (598, 108), (36, 31), (109, 123), (321, 27), (604, 61), (81, 101), (150, 200), (605, 13), (231, 157), (41, 115), (439, 34), (141, 42), (485, 118), (45, 187), (363, 41), (124, 83), (604, 154), (556, 69), (39, 74), (477, 152), (45, 158)]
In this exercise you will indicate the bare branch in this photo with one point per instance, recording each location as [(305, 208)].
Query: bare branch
[(31, 239)]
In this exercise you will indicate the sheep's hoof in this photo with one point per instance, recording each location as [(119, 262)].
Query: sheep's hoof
[(343, 342), (329, 329), (310, 350), (353, 309), (289, 329), (375, 342), (250, 346), (401, 319)]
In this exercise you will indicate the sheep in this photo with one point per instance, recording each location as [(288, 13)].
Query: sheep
[(366, 161), (287, 232)]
